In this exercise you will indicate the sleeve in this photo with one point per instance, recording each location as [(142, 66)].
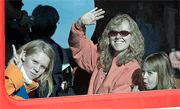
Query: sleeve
[(13, 79), (83, 50), (122, 85)]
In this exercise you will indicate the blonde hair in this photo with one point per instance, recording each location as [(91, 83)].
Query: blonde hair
[(159, 62), (35, 47), (136, 48)]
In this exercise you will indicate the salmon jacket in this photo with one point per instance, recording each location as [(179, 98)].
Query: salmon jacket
[(85, 53), (14, 80)]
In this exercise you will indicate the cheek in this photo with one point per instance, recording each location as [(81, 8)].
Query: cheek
[(41, 72), (128, 40), (27, 64)]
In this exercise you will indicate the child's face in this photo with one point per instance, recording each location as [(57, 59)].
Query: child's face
[(150, 79), (36, 64)]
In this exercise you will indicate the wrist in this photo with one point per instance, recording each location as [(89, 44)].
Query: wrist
[(80, 24)]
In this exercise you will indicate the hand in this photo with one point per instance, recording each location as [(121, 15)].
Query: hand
[(175, 59), (89, 17), (134, 88), (64, 85), (17, 59), (25, 21)]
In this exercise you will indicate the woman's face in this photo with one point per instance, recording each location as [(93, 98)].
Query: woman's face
[(36, 64), (120, 41), (150, 79)]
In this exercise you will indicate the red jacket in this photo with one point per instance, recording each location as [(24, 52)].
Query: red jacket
[(14, 80), (85, 54)]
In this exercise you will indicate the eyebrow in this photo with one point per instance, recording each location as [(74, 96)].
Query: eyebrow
[(34, 59)]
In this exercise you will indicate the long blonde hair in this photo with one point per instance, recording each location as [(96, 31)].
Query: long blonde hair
[(34, 47), (136, 48), (159, 62)]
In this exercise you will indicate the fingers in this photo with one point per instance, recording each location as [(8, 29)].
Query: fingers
[(94, 9), (135, 89), (17, 59), (100, 17), (14, 50), (97, 12)]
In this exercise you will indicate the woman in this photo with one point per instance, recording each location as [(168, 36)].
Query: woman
[(117, 54), (33, 62), (157, 73)]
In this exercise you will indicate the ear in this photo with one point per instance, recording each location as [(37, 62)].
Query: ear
[(24, 56)]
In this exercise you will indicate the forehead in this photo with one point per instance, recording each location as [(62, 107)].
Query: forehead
[(124, 26), (41, 57)]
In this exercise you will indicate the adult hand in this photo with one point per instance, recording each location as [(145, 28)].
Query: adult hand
[(175, 59), (89, 17), (25, 20), (17, 59)]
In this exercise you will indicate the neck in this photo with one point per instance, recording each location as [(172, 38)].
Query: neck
[(119, 53)]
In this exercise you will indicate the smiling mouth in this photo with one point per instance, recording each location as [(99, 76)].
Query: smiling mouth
[(33, 73), (119, 42)]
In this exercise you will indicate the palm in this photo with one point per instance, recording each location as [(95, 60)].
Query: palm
[(175, 59), (89, 17)]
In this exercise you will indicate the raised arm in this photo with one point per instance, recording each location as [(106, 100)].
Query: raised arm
[(84, 51)]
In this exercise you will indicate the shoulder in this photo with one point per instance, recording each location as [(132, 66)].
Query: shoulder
[(131, 66)]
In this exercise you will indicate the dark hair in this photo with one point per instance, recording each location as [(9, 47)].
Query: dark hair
[(45, 19)]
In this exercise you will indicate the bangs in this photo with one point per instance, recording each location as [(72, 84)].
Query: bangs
[(149, 66)]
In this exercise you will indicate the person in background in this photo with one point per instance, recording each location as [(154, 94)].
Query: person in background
[(30, 67), (17, 23), (157, 73), (46, 18), (113, 60)]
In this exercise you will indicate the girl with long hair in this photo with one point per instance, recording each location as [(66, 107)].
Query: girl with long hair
[(31, 66)]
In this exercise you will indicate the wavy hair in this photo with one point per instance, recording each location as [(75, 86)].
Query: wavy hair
[(136, 47), (159, 62), (34, 47)]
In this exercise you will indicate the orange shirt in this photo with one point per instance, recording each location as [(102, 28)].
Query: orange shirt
[(14, 80), (85, 54)]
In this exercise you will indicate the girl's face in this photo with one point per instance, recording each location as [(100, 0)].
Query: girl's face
[(120, 38), (36, 64), (150, 79)]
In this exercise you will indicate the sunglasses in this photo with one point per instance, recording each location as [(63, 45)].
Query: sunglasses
[(122, 33)]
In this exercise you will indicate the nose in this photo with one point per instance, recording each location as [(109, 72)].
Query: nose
[(118, 36), (37, 68), (144, 75)]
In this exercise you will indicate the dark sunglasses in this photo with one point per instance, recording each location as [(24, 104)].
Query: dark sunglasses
[(122, 33)]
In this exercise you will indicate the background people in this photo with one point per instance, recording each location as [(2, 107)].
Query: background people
[(33, 62), (17, 23), (117, 54)]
